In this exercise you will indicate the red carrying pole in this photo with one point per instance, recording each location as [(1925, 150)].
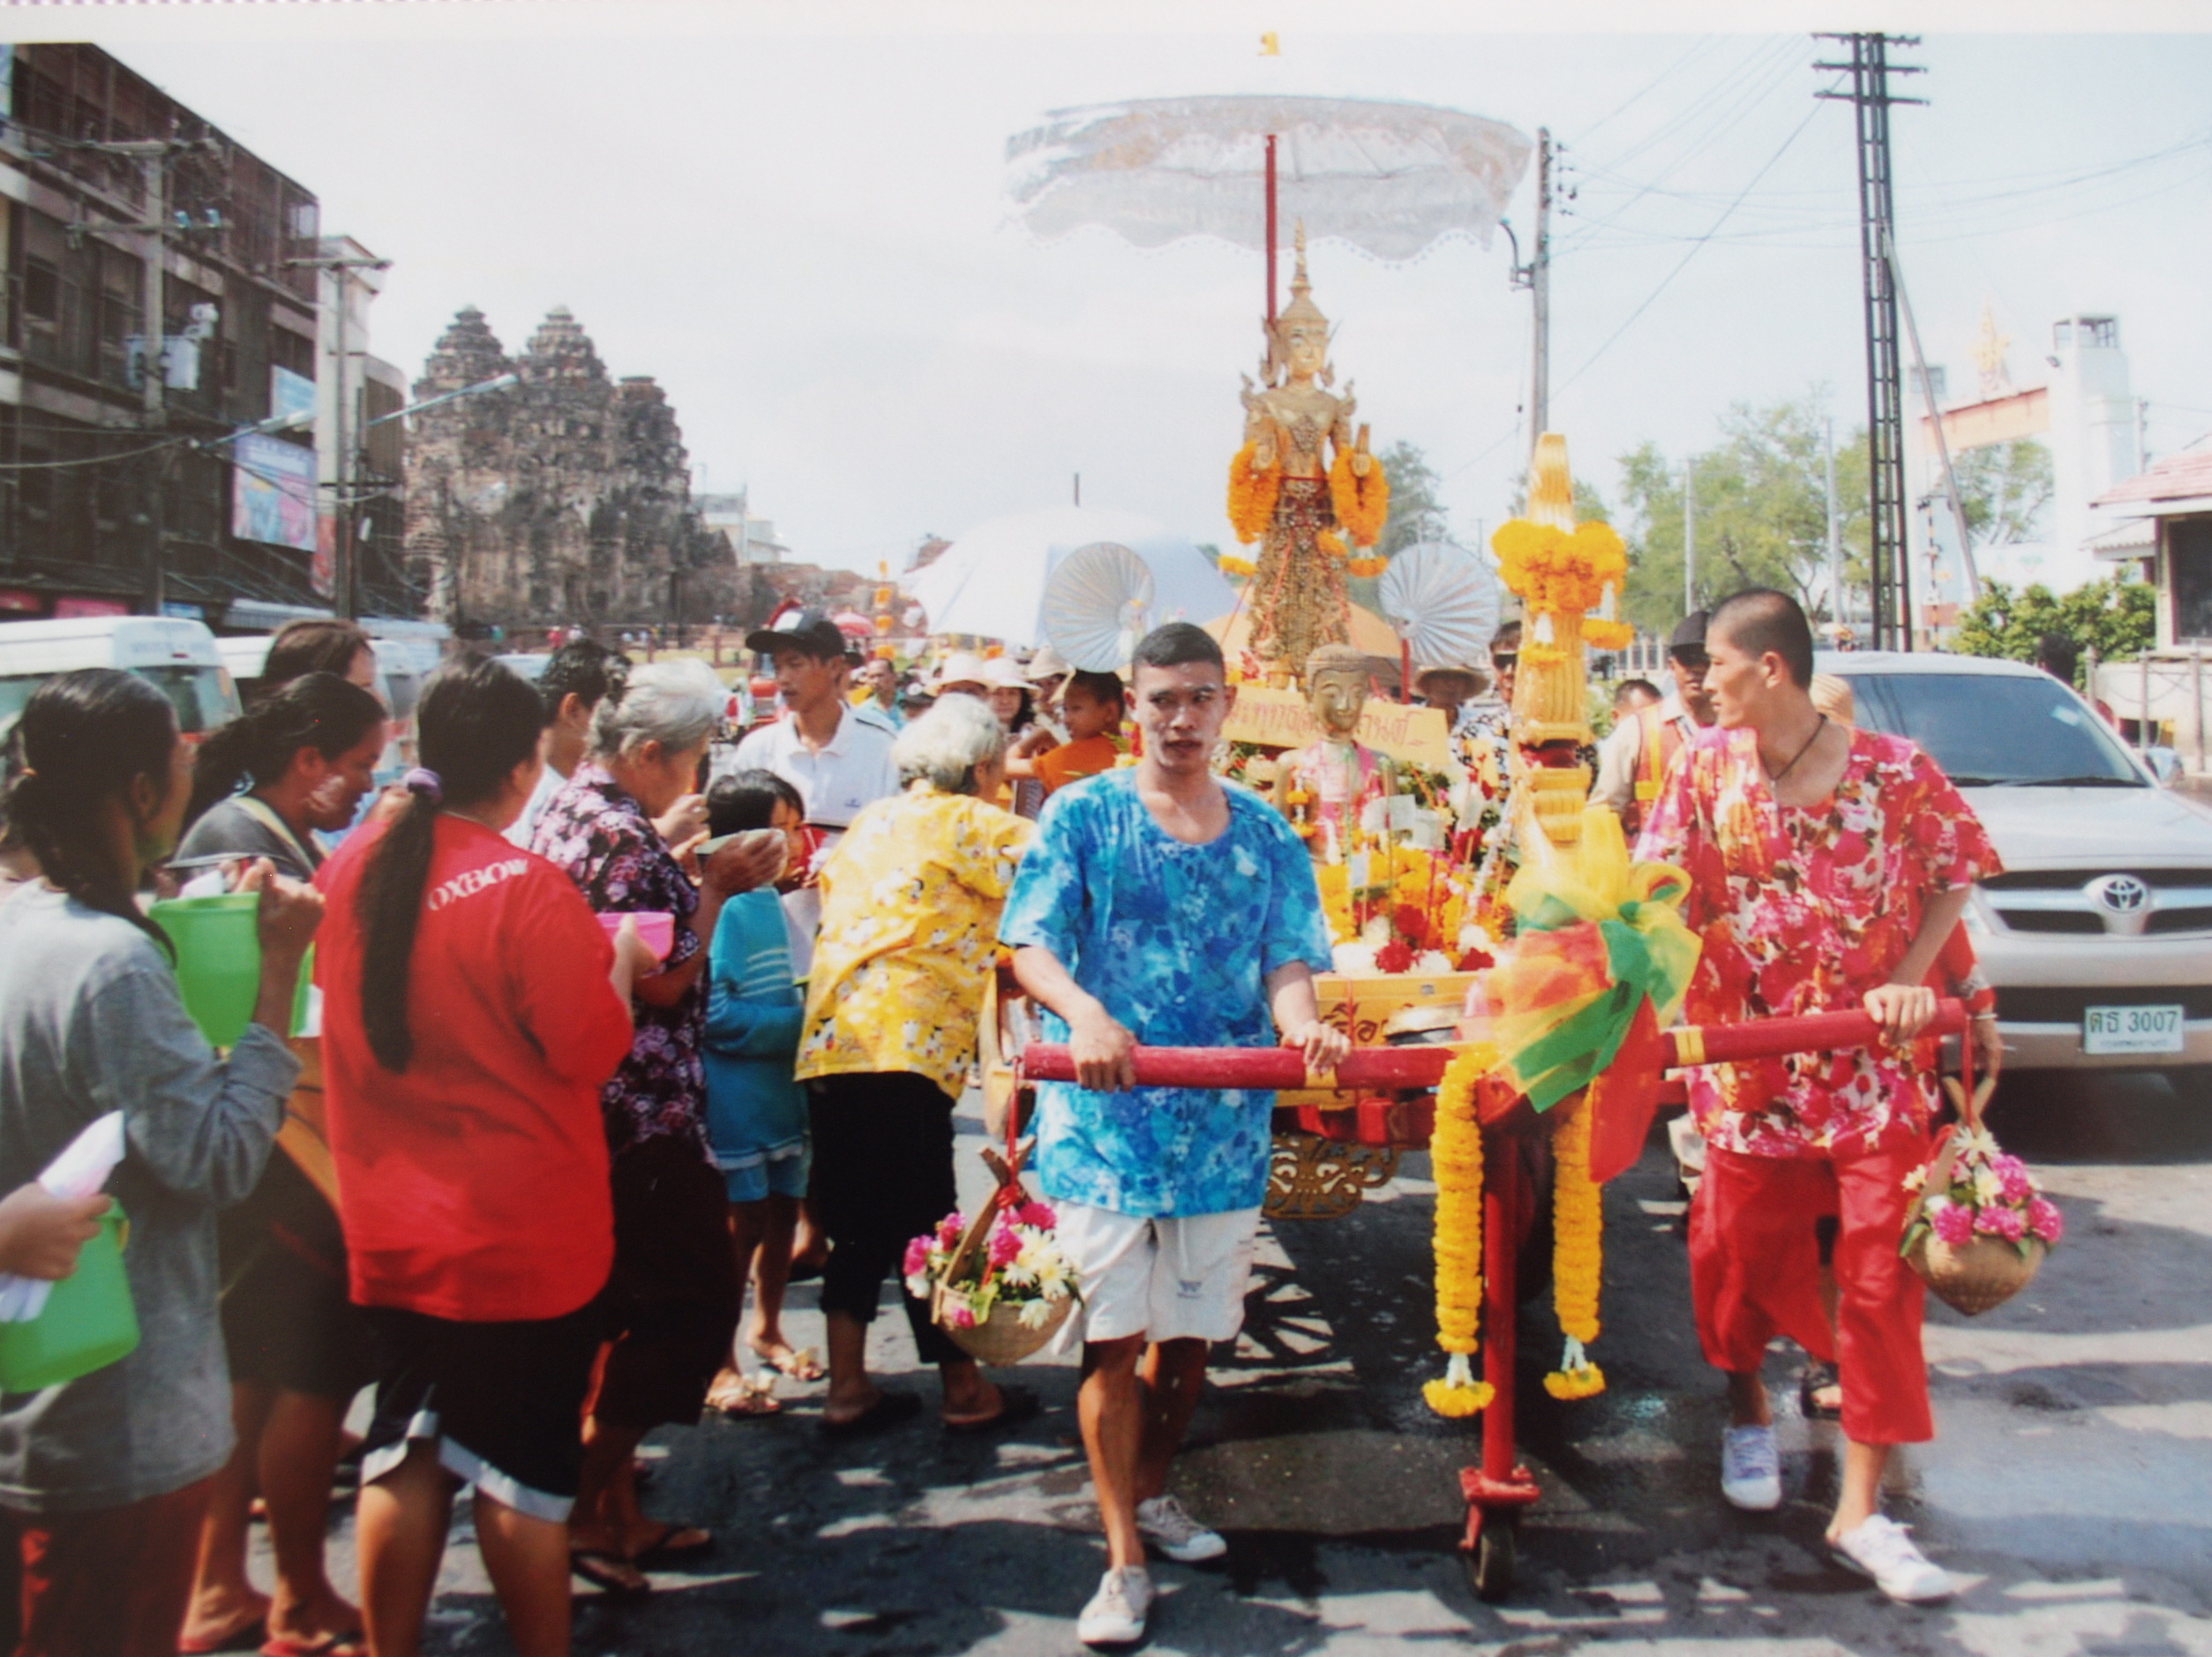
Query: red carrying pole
[(1271, 236)]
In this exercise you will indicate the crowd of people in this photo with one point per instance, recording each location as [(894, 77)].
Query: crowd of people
[(619, 1027)]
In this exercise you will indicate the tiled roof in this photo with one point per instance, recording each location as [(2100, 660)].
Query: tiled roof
[(2182, 476)]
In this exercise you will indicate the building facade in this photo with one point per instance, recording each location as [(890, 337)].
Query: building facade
[(564, 500), (116, 498)]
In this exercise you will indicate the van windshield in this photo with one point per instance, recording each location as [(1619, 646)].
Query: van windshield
[(1988, 731), (202, 696)]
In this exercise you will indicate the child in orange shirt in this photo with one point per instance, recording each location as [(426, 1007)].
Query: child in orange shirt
[(1091, 707)]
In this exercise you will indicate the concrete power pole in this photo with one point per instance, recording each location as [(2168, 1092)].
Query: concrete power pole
[(1539, 299)]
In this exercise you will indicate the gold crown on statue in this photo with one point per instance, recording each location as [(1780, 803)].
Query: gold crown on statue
[(1299, 312)]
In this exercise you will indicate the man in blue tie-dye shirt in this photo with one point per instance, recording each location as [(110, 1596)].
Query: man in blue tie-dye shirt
[(1159, 906)]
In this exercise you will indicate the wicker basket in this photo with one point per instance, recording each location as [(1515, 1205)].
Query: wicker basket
[(1979, 1276), (1002, 1337)]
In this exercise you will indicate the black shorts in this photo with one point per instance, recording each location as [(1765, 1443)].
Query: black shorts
[(503, 1402), (286, 1320)]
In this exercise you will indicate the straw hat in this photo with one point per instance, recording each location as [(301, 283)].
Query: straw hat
[(1422, 675), (1047, 663), (962, 667), (1002, 673)]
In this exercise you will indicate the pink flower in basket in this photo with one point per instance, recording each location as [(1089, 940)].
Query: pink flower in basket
[(2012, 1177), (1954, 1225), (1038, 1214), (2045, 1220), (962, 1313), (949, 1230), (917, 1261), (1006, 1246), (2008, 1223)]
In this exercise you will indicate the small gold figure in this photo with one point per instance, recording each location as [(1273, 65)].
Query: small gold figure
[(1326, 786)]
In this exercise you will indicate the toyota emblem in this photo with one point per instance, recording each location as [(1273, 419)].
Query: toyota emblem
[(2120, 894)]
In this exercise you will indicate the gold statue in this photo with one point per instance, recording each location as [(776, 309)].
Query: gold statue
[(1324, 787), (1300, 478)]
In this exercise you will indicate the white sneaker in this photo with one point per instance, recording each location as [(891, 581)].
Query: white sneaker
[(1115, 1615), (1877, 1547), (1750, 1469), (1163, 1523)]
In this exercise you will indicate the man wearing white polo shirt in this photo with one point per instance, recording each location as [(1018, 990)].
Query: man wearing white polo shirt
[(837, 761)]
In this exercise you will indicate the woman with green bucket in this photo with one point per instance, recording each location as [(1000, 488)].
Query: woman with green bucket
[(301, 761), (103, 1479)]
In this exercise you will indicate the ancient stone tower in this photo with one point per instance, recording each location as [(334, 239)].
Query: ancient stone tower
[(564, 500)]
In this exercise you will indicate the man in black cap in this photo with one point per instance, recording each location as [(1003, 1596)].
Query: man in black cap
[(1633, 760)]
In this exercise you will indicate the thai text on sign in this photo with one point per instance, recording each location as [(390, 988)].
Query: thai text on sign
[(1279, 719)]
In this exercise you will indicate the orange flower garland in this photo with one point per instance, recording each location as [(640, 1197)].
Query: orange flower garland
[(1455, 1154), (1362, 503), (1578, 1254), (1252, 494), (1557, 571)]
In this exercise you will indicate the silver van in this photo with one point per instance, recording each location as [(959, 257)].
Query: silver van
[(178, 656)]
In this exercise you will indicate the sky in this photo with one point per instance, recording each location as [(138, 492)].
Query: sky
[(794, 219)]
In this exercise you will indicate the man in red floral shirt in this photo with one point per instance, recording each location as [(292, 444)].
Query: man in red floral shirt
[(1827, 867)]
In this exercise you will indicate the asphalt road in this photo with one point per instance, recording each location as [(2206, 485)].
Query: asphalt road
[(2071, 1486)]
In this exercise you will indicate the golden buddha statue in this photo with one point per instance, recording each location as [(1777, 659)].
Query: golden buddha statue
[(1324, 787), (1300, 483)]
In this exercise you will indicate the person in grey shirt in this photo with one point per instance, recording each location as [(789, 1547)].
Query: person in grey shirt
[(104, 1478)]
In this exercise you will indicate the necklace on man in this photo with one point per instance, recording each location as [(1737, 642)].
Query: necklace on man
[(1801, 753)]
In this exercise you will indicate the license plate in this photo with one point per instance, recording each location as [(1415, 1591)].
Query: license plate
[(2108, 1030)]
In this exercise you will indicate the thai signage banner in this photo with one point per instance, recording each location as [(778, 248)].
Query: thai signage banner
[(1279, 719), (273, 492)]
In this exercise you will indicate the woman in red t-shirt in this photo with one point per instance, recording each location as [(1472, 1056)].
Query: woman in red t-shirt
[(473, 1008)]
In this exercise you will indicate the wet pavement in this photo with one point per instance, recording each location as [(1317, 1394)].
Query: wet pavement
[(2071, 1486)]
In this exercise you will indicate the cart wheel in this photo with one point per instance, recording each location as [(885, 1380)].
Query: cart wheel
[(1490, 1566)]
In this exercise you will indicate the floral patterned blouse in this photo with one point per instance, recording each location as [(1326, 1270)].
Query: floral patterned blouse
[(599, 836), (1803, 909), (909, 920)]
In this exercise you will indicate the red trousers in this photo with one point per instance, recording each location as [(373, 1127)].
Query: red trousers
[(1755, 1273), (113, 1582)]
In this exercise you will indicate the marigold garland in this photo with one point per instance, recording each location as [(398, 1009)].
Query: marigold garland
[(1455, 1152), (1233, 565), (1362, 503), (1559, 570), (1578, 1254), (1252, 493)]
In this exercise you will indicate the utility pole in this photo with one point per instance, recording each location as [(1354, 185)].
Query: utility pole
[(1871, 98), (1539, 299), (1973, 581), (1689, 535), (345, 584), (1836, 603)]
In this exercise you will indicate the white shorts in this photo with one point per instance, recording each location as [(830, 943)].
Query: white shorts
[(1176, 1277)]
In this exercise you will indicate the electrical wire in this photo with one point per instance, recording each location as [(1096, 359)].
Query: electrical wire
[(1697, 45)]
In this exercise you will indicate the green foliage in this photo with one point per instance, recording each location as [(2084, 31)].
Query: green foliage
[(2115, 617), (1761, 513), (1416, 512), (2002, 490)]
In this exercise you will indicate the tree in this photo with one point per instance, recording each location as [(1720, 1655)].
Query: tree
[(1761, 514), (2116, 617), (2002, 490), (1416, 514)]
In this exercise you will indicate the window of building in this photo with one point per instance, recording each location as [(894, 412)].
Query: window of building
[(2189, 570)]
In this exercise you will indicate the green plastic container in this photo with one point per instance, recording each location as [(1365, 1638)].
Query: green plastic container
[(218, 960), (89, 1322)]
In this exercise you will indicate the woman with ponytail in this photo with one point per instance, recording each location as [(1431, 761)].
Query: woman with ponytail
[(103, 1481), (473, 1008), (300, 761)]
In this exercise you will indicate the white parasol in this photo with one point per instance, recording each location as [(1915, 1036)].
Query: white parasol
[(1442, 601), (1390, 178), (1123, 575)]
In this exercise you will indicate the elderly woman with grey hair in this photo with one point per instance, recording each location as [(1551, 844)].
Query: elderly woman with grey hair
[(673, 1299), (910, 921)]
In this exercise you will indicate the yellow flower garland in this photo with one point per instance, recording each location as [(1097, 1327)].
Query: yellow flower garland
[(1362, 503), (1557, 570), (1252, 494), (1455, 1152), (1577, 1253), (1232, 565)]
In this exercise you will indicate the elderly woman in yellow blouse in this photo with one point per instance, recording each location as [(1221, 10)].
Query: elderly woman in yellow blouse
[(910, 921)]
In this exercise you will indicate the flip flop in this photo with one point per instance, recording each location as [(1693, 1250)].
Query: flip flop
[(612, 1574), (798, 1363), (888, 1410), (1816, 1376), (353, 1645), (240, 1637), (754, 1395), (1016, 1405), (677, 1543)]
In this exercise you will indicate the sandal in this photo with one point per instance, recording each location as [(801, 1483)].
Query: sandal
[(353, 1645), (1015, 1405), (1817, 1378), (677, 1543), (753, 1395), (888, 1410), (612, 1574), (794, 1363), (241, 1636)]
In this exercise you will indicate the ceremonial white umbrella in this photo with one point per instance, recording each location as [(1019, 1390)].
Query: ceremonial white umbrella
[(1088, 582), (1391, 178)]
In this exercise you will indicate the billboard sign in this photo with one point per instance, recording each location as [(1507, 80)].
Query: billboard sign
[(290, 394), (273, 492)]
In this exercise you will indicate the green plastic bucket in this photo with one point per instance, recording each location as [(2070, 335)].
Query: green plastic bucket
[(218, 960), (89, 1322)]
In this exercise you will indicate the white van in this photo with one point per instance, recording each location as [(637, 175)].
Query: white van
[(179, 656)]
